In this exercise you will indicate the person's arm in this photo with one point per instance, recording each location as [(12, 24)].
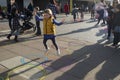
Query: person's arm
[(38, 18), (58, 23)]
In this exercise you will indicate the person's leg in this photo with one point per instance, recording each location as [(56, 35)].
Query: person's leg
[(45, 43), (66, 13), (11, 33), (116, 39), (104, 21), (98, 20), (81, 15), (54, 43), (91, 14), (17, 32), (16, 38), (38, 28), (109, 31), (74, 17), (10, 25)]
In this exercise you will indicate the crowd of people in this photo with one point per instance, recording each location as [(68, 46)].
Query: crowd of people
[(110, 16), (48, 16)]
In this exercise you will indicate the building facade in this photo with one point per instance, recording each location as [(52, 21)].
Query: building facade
[(25, 3), (42, 4)]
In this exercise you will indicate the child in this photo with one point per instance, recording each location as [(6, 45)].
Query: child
[(38, 22), (74, 13), (49, 29), (15, 25)]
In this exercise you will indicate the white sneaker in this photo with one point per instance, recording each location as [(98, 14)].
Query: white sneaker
[(58, 52), (47, 50)]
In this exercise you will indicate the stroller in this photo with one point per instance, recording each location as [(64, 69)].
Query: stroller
[(26, 18)]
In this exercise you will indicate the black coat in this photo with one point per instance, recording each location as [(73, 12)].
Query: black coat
[(116, 20), (110, 17), (11, 9)]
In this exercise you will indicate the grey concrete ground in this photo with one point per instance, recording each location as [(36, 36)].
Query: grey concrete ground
[(85, 54)]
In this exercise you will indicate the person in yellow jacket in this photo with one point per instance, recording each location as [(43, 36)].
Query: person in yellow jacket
[(49, 28)]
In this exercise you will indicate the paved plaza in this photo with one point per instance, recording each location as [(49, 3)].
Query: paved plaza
[(85, 54)]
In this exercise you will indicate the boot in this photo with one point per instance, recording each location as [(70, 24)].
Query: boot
[(9, 36), (16, 39)]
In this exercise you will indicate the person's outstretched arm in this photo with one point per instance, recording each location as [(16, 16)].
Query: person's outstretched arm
[(58, 23), (38, 18)]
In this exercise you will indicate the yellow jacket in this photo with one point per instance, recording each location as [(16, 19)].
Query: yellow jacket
[(49, 27)]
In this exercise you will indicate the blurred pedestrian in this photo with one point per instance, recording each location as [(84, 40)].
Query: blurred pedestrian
[(52, 6), (93, 11), (37, 12), (66, 9), (10, 7), (74, 13), (15, 25), (116, 27), (110, 19), (100, 10)]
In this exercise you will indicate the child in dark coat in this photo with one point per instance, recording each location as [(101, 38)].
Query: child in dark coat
[(15, 25)]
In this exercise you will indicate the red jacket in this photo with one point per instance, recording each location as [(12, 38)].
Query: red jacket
[(66, 8)]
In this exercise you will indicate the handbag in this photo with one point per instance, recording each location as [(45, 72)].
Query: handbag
[(117, 29)]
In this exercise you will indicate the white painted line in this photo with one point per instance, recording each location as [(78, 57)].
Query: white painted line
[(4, 31), (3, 38)]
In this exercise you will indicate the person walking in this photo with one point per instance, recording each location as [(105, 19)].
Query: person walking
[(74, 13), (49, 28), (116, 27), (110, 21), (15, 25), (10, 6), (100, 10), (93, 11)]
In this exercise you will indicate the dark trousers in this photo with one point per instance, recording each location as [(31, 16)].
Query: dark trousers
[(66, 13), (9, 21), (99, 19), (53, 41), (109, 31), (116, 38), (92, 13), (101, 16), (38, 28), (14, 32), (74, 17)]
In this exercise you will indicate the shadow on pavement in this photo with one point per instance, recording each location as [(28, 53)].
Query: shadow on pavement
[(81, 62), (79, 30), (23, 39), (5, 75)]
